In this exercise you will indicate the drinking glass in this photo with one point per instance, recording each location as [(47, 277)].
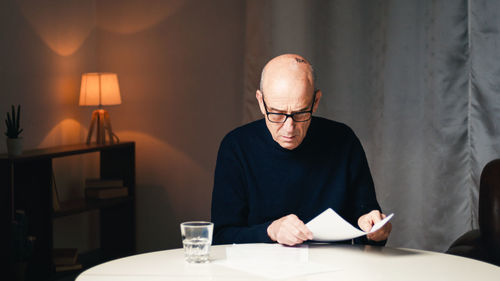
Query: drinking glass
[(196, 240)]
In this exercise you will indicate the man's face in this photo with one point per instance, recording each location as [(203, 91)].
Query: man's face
[(288, 98)]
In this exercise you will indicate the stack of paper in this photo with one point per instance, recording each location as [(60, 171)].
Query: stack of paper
[(272, 261)]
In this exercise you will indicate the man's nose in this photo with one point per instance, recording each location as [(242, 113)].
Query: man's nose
[(289, 124)]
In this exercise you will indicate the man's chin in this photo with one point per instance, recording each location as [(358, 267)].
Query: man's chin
[(288, 145)]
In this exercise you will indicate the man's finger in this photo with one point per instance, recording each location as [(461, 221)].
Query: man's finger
[(296, 229), (307, 232), (375, 216), (288, 238), (291, 231), (304, 232), (381, 234), (364, 223)]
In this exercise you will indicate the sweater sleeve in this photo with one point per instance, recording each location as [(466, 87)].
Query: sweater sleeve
[(362, 190), (229, 201)]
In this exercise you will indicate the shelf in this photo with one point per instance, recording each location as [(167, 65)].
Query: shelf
[(29, 178), (62, 151), (82, 205)]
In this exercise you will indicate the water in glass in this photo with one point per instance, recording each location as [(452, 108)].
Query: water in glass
[(196, 249)]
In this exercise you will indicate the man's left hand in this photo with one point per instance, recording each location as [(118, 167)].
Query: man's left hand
[(367, 221)]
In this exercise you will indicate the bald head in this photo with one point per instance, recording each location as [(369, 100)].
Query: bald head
[(287, 66)]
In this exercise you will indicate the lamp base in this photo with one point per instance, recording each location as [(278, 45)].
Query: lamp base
[(102, 122)]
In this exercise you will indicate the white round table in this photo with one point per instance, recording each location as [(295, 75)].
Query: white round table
[(367, 263)]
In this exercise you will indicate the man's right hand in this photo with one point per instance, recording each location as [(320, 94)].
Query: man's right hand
[(289, 230)]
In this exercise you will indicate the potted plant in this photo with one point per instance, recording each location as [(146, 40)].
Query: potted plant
[(14, 142)]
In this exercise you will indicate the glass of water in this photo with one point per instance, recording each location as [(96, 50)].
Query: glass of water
[(196, 239)]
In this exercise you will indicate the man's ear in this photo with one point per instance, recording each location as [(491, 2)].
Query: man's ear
[(318, 98), (259, 97)]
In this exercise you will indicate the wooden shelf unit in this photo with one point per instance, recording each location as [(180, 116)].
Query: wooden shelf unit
[(26, 183)]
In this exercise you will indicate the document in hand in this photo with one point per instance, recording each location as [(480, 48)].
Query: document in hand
[(329, 226)]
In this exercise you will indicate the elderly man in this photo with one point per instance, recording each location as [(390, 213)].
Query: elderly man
[(276, 173)]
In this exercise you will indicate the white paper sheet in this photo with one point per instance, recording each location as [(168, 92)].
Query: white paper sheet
[(330, 226), (272, 261)]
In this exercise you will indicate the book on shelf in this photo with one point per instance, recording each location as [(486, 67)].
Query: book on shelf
[(101, 183), (106, 193), (61, 268), (55, 195), (64, 256)]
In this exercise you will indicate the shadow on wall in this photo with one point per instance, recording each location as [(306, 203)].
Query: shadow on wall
[(171, 188), (65, 26)]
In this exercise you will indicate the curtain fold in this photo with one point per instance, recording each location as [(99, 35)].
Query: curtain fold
[(484, 88), (416, 80)]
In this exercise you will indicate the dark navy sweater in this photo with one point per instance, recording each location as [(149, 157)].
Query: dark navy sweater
[(257, 181)]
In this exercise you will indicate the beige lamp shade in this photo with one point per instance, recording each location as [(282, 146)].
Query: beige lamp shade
[(100, 88)]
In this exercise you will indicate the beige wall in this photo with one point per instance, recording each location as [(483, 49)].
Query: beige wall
[(181, 73), (180, 67), (43, 52)]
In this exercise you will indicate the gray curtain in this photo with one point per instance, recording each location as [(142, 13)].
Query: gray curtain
[(417, 81)]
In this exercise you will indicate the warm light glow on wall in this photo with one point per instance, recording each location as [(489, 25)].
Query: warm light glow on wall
[(65, 132), (100, 88), (63, 25), (130, 16)]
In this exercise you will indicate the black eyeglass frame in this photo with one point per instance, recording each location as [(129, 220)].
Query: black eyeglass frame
[(292, 114)]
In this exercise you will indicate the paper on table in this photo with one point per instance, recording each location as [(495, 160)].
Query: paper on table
[(272, 261), (329, 226), (268, 252)]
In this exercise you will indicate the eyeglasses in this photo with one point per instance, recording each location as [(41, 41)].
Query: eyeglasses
[(301, 116)]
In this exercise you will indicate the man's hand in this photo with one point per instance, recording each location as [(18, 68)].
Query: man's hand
[(367, 221), (289, 230)]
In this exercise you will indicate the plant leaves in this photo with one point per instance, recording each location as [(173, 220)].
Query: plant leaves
[(18, 124), (9, 121), (13, 122)]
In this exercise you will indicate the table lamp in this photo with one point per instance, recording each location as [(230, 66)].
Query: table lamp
[(100, 88)]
